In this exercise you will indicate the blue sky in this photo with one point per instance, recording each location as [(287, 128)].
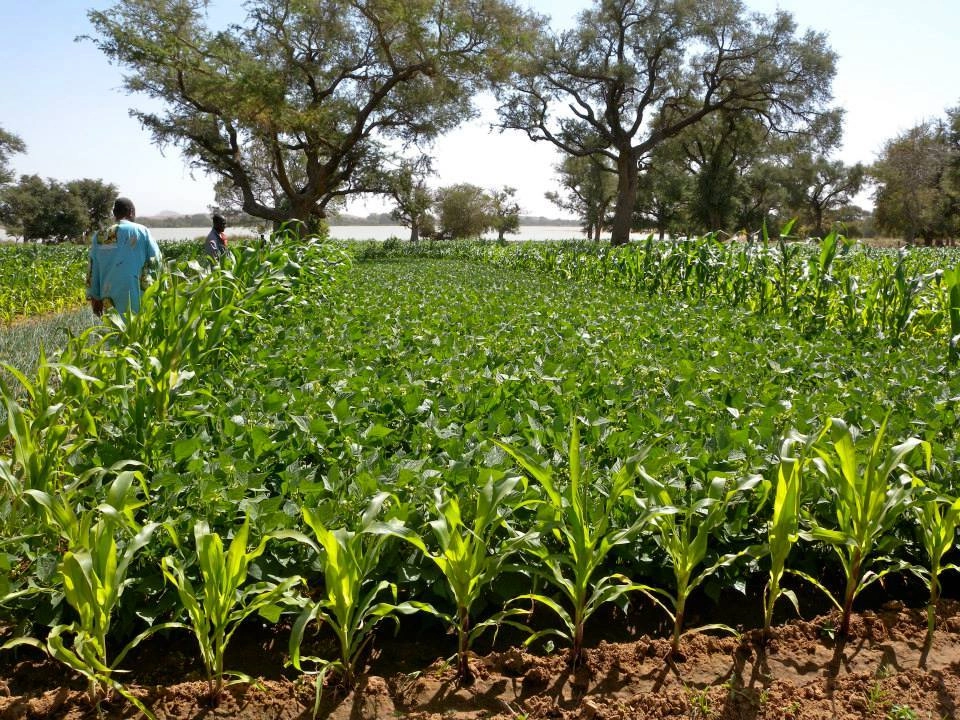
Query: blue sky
[(898, 66)]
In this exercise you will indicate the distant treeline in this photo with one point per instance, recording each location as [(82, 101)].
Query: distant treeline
[(387, 219), (203, 219), (196, 220)]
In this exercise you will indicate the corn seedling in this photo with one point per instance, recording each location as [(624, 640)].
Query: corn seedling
[(469, 556), (687, 515), (216, 610), (94, 574), (784, 527), (582, 525), (866, 500), (350, 600), (937, 518)]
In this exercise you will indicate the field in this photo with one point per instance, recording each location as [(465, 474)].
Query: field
[(476, 480)]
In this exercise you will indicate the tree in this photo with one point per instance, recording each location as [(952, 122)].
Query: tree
[(408, 188), (463, 211), (664, 190), (588, 187), (634, 73), (35, 209), (504, 212), (10, 144), (818, 185), (294, 107), (97, 198), (914, 196)]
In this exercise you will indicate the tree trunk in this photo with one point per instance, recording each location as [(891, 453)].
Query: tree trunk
[(627, 180), (414, 232)]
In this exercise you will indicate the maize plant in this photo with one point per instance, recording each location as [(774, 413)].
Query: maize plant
[(469, 556), (94, 573), (866, 497), (686, 514), (224, 600), (350, 599), (937, 517), (575, 538), (784, 527)]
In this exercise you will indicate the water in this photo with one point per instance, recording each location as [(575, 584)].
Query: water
[(373, 232), (376, 232)]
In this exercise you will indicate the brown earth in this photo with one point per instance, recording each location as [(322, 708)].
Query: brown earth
[(882, 671)]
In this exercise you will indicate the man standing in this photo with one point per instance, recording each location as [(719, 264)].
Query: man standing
[(120, 257), (216, 242)]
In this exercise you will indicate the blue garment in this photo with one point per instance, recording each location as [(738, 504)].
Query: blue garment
[(119, 260)]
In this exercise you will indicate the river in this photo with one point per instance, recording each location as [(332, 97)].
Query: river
[(370, 232), (378, 232)]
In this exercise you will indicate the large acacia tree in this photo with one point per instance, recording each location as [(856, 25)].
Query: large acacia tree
[(633, 73), (294, 107)]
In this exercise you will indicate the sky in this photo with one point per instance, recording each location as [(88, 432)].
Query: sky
[(897, 67)]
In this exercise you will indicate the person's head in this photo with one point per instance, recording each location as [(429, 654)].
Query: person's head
[(123, 209), (219, 223)]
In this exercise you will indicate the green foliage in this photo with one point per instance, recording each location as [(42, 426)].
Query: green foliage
[(349, 601), (463, 211), (784, 528), (937, 520), (864, 499), (623, 69), (10, 144), (915, 197), (295, 70), (35, 209), (36, 280), (689, 511), (93, 572), (225, 599), (299, 380), (586, 533), (469, 555)]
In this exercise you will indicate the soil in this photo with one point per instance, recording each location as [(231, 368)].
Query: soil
[(801, 671)]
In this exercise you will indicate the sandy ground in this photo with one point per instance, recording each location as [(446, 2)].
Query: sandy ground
[(882, 671)]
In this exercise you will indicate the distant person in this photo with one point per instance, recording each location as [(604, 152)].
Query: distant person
[(120, 260), (216, 242)]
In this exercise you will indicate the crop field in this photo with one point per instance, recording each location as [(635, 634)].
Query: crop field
[(40, 279), (337, 440)]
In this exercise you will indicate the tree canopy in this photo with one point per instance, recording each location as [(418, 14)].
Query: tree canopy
[(297, 107), (633, 73), (917, 194), (10, 144), (463, 211), (588, 187), (38, 209)]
